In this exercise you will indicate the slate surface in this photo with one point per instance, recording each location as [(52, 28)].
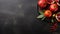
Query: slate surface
[(19, 17)]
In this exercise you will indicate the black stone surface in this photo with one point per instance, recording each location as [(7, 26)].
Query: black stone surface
[(19, 17)]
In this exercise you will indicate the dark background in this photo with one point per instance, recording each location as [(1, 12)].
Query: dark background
[(19, 17)]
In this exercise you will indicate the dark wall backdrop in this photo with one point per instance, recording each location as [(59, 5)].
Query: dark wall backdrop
[(19, 17)]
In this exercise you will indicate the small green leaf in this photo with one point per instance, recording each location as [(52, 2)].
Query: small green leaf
[(40, 16), (43, 18), (52, 20), (41, 12)]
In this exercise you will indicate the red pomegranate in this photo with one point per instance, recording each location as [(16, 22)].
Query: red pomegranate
[(47, 13), (42, 3), (54, 7)]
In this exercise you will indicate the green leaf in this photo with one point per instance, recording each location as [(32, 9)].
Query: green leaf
[(40, 16), (52, 20), (43, 18), (41, 12)]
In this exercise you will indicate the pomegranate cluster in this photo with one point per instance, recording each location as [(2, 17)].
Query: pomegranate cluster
[(49, 9)]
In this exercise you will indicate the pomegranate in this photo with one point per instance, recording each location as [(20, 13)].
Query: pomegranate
[(42, 3), (47, 13), (54, 7)]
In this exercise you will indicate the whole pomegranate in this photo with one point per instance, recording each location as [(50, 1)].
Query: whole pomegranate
[(54, 7), (42, 3), (47, 13)]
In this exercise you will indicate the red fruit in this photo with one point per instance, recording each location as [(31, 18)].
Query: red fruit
[(54, 7), (42, 3), (47, 13), (58, 16)]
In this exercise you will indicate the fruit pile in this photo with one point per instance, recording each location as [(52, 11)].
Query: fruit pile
[(49, 9)]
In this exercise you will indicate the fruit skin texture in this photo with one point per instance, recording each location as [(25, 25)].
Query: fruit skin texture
[(42, 3), (47, 13), (54, 7)]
